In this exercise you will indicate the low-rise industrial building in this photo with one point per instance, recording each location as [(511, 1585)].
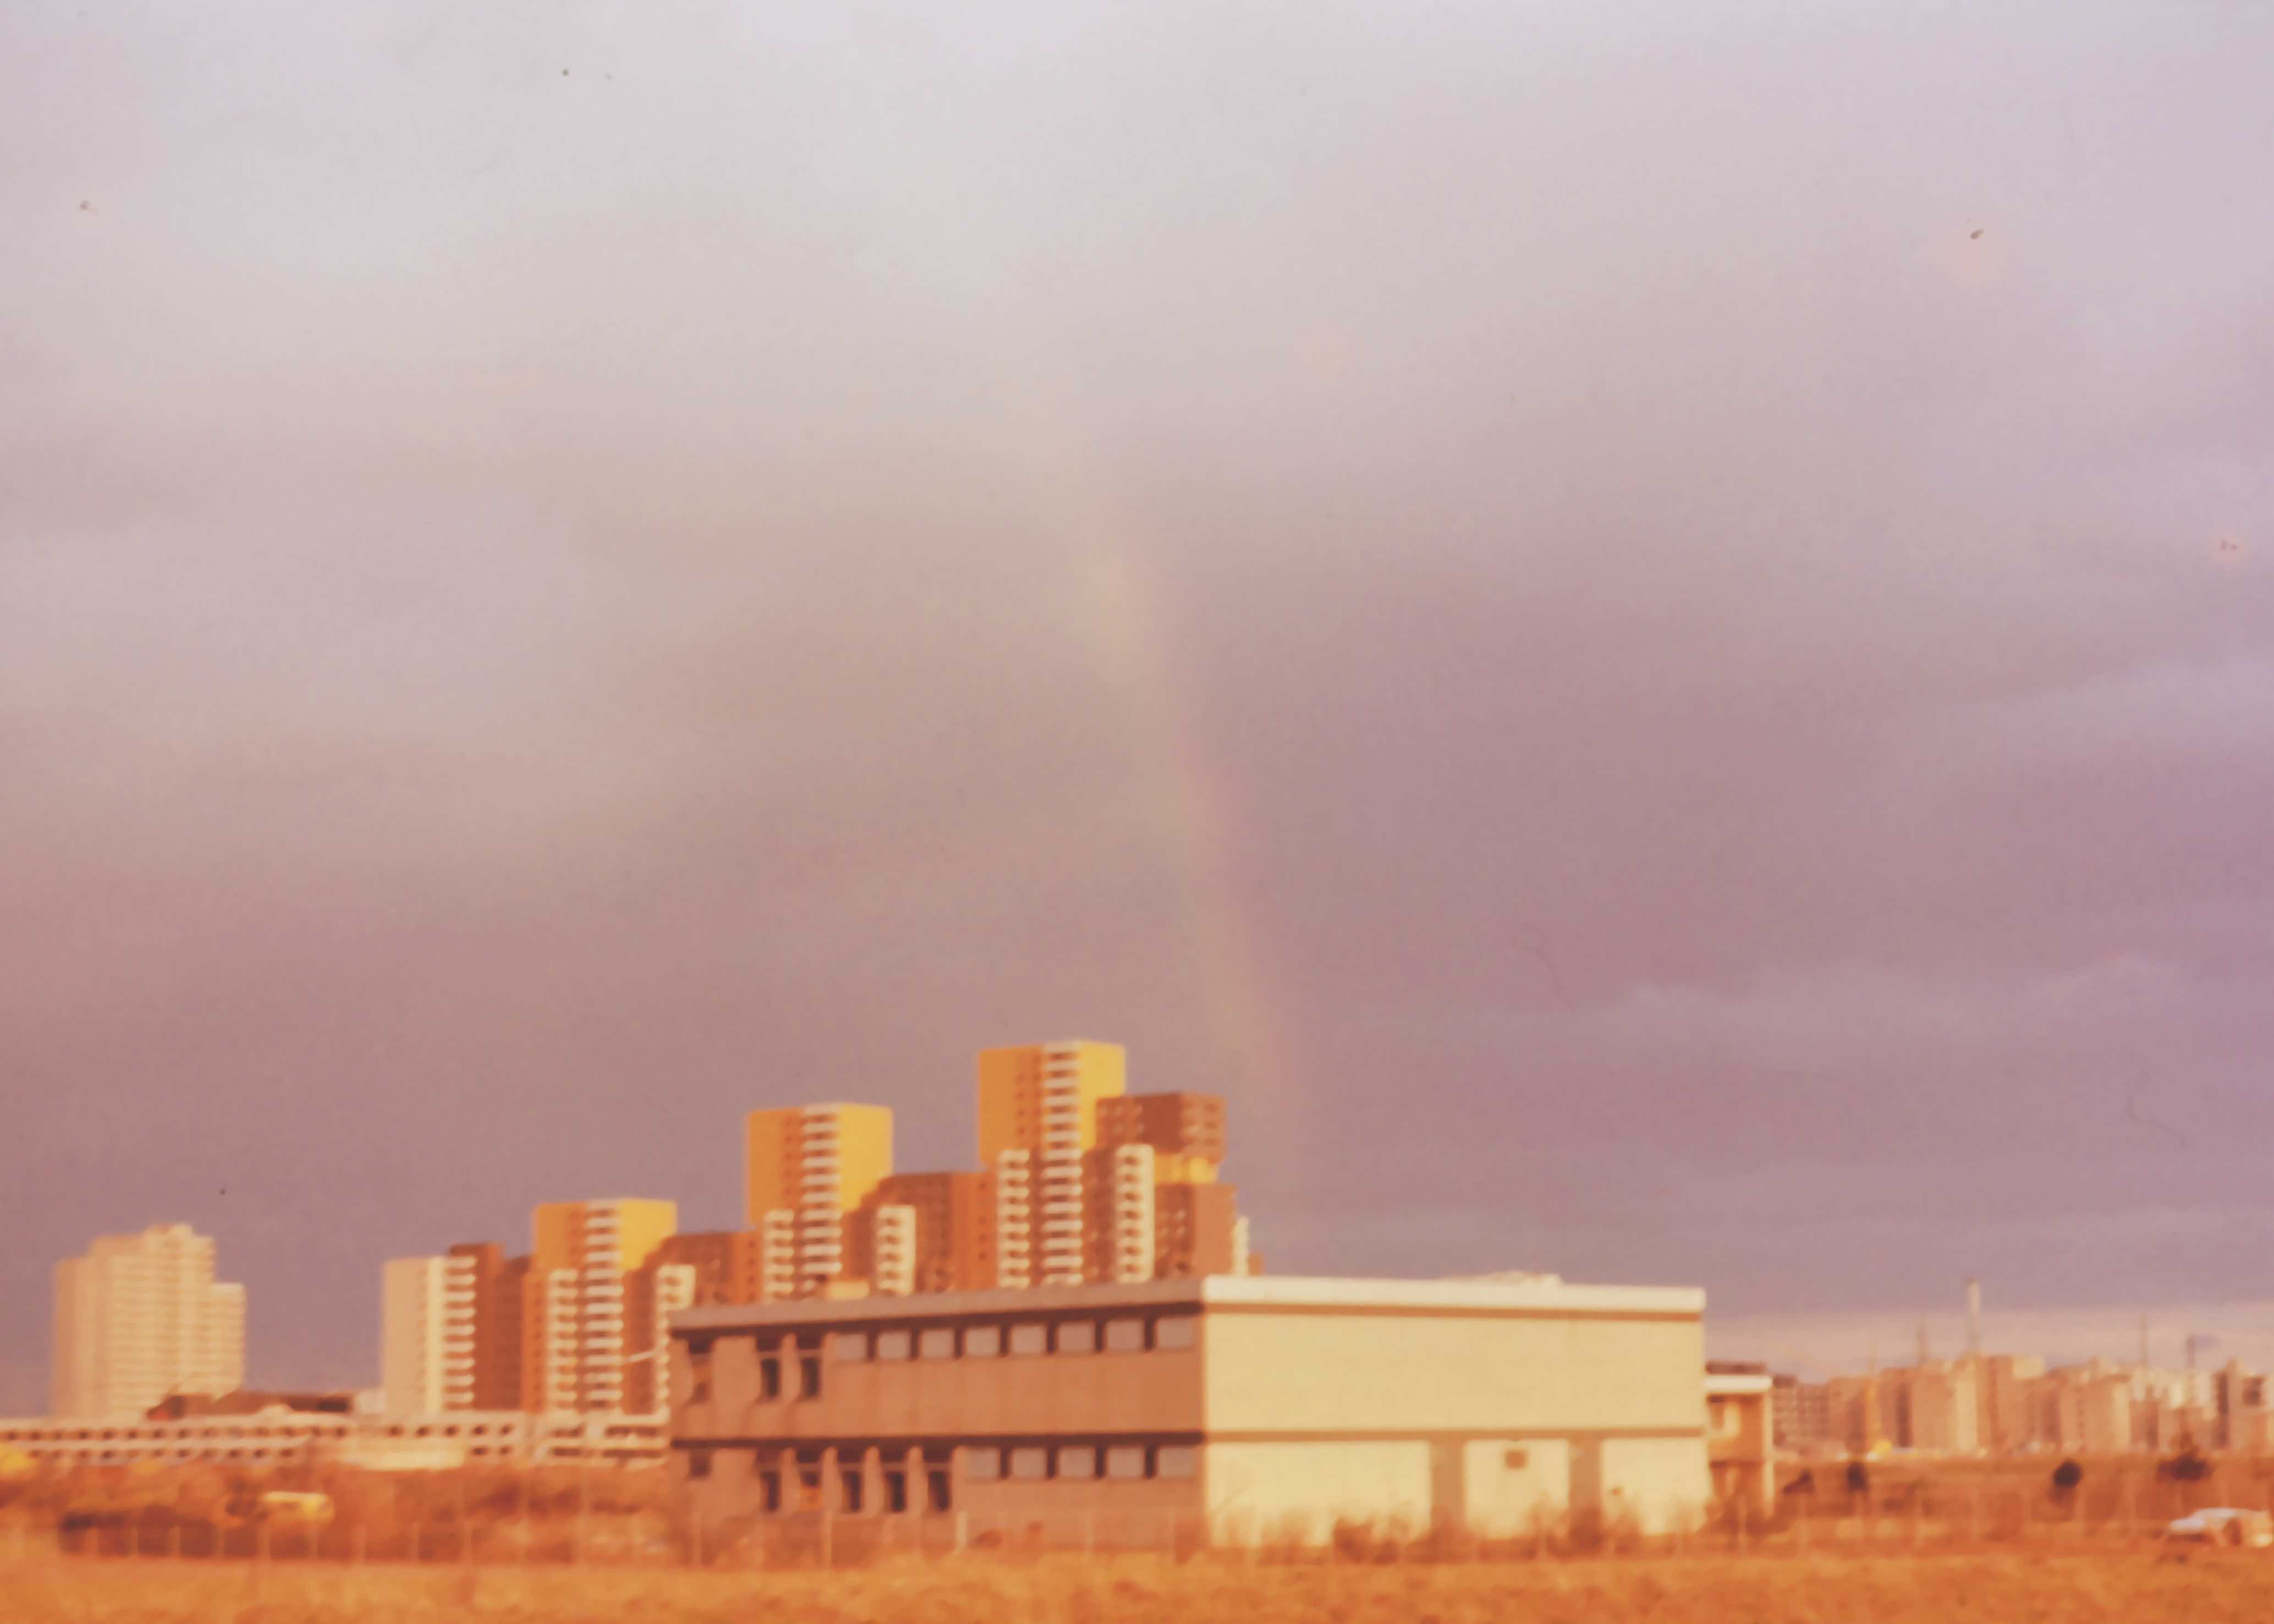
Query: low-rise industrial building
[(280, 1436), (1248, 1407)]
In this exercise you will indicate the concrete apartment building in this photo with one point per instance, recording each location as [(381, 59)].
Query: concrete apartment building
[(2086, 1409), (2098, 1408), (1083, 1183), (806, 1169), (1094, 1184), (576, 1325), (1079, 1182), (426, 1336), (140, 1317), (1250, 1407), (2003, 1383)]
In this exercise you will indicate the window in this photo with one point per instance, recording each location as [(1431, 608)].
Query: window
[(893, 1345), (1125, 1335), (1077, 1461), (1125, 1461), (1030, 1464), (1030, 1339), (1077, 1336), (852, 1347), (896, 1489), (982, 1465), (982, 1342), (698, 1463), (854, 1480), (1176, 1461), (938, 1343), (939, 1489), (1179, 1331), (809, 1375), (770, 1376), (770, 1485)]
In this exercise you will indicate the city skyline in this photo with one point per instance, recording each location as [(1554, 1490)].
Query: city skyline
[(1644, 633)]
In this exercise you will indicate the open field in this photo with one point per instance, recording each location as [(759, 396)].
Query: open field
[(2135, 1588)]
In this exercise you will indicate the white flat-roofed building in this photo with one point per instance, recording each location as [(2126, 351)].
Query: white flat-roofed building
[(1259, 1406), (280, 1437)]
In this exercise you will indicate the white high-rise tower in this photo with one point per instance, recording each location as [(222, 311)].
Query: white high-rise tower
[(140, 1317)]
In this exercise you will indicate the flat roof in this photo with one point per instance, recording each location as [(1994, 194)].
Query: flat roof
[(1231, 1291)]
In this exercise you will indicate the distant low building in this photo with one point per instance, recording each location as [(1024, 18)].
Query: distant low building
[(281, 1436), (1740, 1434)]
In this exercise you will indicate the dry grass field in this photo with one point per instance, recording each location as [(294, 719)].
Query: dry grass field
[(2132, 1587)]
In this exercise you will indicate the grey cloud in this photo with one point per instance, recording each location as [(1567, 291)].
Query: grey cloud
[(1514, 590)]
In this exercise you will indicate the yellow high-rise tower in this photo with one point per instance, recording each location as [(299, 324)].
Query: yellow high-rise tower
[(577, 1342), (806, 1169), (1037, 1121)]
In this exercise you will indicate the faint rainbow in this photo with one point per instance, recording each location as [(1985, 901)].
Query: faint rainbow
[(1187, 804)]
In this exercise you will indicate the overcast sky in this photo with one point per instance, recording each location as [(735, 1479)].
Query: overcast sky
[(1647, 631)]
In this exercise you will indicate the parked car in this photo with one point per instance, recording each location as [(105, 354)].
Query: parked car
[(2224, 1525)]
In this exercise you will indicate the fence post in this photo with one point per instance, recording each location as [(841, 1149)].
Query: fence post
[(832, 1490)]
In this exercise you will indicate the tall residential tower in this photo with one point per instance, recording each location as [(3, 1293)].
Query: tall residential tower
[(140, 1318), (807, 1169)]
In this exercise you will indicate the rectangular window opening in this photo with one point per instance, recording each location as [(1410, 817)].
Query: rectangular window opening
[(1176, 1461)]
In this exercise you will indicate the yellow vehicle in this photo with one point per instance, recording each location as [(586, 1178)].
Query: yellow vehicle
[(296, 1508)]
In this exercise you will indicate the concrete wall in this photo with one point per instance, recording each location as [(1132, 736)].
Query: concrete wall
[(1606, 1412), (997, 1395), (1299, 1490)]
